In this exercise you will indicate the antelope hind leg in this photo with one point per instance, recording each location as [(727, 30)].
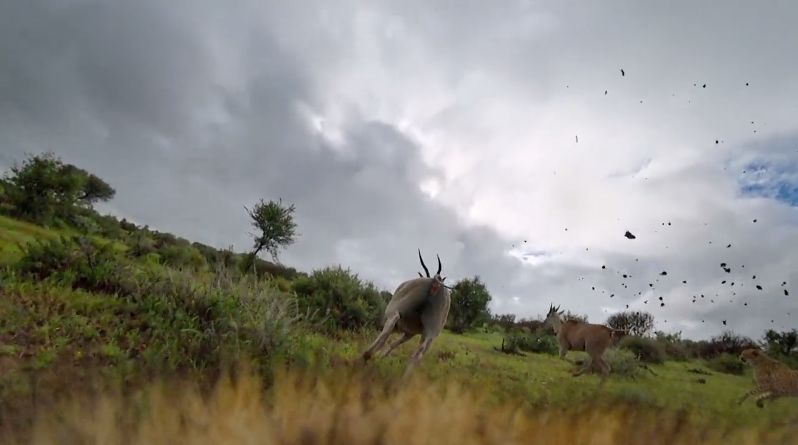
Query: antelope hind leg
[(416, 357), (390, 322), (405, 337), (588, 364)]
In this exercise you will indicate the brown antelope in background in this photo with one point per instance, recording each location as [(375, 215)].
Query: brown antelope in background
[(573, 335), (418, 306)]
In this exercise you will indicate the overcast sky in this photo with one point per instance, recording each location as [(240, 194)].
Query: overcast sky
[(500, 135)]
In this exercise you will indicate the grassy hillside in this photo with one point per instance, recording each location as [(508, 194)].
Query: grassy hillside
[(81, 324), (14, 232)]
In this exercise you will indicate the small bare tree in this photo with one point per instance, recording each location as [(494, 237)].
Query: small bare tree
[(634, 322)]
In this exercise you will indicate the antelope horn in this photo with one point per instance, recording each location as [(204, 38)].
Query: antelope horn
[(422, 263), (439, 265)]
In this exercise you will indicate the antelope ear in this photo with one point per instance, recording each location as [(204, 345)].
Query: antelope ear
[(443, 279)]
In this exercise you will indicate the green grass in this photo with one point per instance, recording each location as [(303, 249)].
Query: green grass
[(545, 380), (57, 332), (14, 232)]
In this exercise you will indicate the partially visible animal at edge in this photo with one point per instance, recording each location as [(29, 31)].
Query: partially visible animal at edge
[(574, 335), (772, 378), (418, 306)]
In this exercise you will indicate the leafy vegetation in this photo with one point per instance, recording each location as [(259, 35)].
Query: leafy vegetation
[(45, 190), (469, 306), (303, 408), (518, 341), (91, 302), (636, 323), (338, 300), (728, 363), (276, 227), (646, 349)]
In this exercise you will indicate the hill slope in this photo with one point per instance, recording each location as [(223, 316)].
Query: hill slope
[(100, 319)]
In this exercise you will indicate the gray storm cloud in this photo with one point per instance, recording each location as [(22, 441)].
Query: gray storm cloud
[(448, 127)]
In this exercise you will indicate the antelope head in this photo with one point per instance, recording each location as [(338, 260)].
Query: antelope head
[(437, 276), (554, 316)]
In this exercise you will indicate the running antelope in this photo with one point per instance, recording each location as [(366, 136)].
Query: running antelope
[(418, 306), (573, 335)]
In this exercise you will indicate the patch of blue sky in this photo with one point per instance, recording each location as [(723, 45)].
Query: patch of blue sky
[(774, 180)]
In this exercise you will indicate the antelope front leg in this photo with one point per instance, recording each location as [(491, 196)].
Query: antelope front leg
[(390, 322)]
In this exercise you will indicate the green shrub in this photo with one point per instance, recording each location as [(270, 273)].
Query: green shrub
[(517, 341), (469, 306), (108, 226), (77, 262), (622, 363), (540, 343), (170, 321), (338, 299), (180, 256), (676, 351), (197, 324), (727, 363), (263, 268), (140, 245), (727, 342), (646, 349)]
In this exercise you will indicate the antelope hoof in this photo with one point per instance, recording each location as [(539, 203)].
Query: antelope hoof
[(759, 404), (365, 358)]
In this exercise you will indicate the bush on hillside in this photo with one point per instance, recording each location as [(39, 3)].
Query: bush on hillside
[(78, 262), (182, 256), (781, 343), (537, 343), (622, 363), (469, 307), (675, 347), (645, 349), (107, 226), (139, 245), (504, 322), (265, 268), (568, 315), (727, 363), (338, 299), (728, 342), (45, 190), (676, 351), (210, 254), (168, 321), (531, 325), (635, 323)]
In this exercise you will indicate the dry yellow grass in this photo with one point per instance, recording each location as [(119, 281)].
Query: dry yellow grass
[(338, 408)]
